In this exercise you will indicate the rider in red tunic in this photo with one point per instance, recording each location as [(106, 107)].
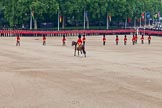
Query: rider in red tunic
[(79, 41), (104, 39)]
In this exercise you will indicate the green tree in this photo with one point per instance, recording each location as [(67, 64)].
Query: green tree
[(18, 12)]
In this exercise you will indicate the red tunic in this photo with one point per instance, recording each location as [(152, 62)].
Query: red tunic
[(79, 41), (63, 39), (18, 38), (149, 38), (125, 39), (44, 38), (133, 39), (136, 38), (117, 39), (83, 39), (142, 38), (104, 39)]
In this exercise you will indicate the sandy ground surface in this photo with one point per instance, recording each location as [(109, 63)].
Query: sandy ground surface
[(36, 76)]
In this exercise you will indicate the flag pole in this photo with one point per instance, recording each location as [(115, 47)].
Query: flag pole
[(134, 22), (140, 21), (87, 22), (58, 21), (159, 16), (125, 23), (31, 20), (84, 18), (153, 19), (145, 19), (107, 21), (149, 22)]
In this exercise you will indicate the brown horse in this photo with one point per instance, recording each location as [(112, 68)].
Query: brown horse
[(81, 48)]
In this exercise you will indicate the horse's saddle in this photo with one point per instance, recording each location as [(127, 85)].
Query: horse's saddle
[(79, 46)]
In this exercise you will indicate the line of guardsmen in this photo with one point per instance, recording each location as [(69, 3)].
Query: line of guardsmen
[(83, 40), (79, 41), (134, 39)]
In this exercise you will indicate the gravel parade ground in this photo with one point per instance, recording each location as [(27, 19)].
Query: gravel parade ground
[(37, 76)]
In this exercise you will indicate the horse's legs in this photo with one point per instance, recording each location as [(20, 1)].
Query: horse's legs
[(81, 52), (78, 52), (75, 52)]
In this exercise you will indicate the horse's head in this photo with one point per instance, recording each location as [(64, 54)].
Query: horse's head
[(73, 43)]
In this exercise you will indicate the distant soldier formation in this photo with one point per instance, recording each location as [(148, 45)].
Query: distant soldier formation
[(134, 39), (82, 40)]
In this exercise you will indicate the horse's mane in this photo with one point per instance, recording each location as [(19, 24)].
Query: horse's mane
[(74, 42)]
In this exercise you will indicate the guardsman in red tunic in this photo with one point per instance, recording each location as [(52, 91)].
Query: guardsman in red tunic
[(133, 40), (79, 41), (142, 39), (125, 40), (44, 39), (84, 39), (18, 40), (149, 39), (63, 40), (104, 40), (117, 40)]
